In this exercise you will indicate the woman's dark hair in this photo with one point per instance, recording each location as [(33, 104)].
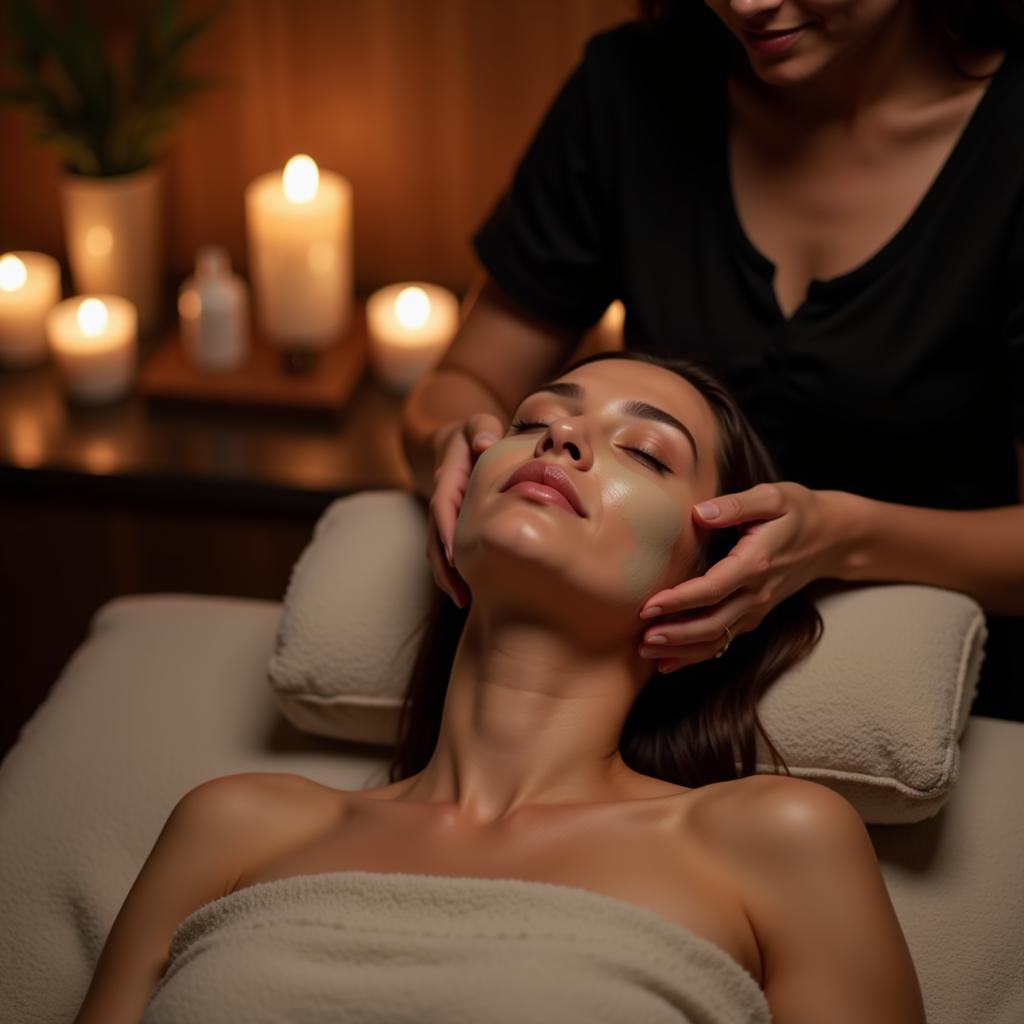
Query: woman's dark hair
[(690, 727), (961, 24)]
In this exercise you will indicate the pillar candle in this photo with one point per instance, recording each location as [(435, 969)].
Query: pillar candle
[(299, 227)]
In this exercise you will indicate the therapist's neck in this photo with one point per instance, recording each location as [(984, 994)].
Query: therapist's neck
[(532, 716)]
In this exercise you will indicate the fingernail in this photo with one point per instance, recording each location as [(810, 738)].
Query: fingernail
[(448, 553), (485, 436), (656, 639), (708, 510), (665, 666), (649, 613)]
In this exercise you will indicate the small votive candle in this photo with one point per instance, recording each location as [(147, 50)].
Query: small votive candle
[(409, 327), (94, 341), (29, 289)]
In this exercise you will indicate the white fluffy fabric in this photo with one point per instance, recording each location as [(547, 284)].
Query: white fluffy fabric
[(392, 948)]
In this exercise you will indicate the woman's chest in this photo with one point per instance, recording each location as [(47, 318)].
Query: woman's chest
[(821, 205), (648, 860)]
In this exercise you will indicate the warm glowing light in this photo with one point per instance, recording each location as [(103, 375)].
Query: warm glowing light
[(13, 273), (301, 179), (92, 317), (100, 455), (28, 445), (412, 308), (99, 240), (189, 305), (614, 316), (321, 256)]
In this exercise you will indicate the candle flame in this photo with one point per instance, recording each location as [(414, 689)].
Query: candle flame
[(301, 179), (13, 273), (412, 307), (92, 317)]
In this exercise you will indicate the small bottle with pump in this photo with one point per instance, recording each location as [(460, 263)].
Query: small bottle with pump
[(214, 310)]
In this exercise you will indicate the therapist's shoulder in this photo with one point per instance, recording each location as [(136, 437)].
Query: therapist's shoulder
[(629, 44)]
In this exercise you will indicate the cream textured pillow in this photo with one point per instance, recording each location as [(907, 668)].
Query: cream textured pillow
[(875, 711)]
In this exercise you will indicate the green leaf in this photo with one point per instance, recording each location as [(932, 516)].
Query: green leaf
[(101, 119), (78, 153), (32, 29)]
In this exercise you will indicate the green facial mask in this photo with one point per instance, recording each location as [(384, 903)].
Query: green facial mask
[(656, 522)]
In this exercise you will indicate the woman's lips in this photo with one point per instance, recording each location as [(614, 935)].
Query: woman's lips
[(542, 493), (773, 42)]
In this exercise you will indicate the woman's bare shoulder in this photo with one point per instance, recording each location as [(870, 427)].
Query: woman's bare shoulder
[(758, 814), (814, 895), (264, 810)]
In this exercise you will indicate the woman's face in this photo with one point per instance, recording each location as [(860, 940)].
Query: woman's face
[(827, 30), (637, 535)]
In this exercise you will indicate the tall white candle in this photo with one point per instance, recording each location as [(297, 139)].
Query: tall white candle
[(299, 226), (409, 328), (94, 343), (29, 289)]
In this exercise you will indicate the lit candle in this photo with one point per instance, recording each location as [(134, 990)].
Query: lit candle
[(29, 289), (93, 340), (409, 327), (299, 226), (609, 327)]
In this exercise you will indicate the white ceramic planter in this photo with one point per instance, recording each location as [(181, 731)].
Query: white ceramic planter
[(114, 237)]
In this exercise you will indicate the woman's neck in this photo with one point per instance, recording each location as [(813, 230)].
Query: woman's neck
[(531, 718)]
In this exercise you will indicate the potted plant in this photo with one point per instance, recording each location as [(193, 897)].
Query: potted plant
[(106, 98)]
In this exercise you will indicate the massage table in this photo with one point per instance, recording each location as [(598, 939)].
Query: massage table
[(169, 690)]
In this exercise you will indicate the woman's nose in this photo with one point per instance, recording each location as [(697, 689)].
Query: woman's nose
[(749, 7), (568, 435)]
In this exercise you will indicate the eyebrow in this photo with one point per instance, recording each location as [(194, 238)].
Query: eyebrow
[(631, 407)]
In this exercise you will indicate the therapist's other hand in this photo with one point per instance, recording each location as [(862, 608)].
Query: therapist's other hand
[(788, 539), (456, 451)]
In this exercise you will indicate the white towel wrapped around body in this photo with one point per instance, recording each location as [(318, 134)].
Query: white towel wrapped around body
[(359, 946)]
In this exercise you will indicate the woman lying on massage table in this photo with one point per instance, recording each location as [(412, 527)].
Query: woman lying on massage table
[(567, 834)]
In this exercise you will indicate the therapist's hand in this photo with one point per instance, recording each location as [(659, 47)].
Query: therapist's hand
[(789, 538), (457, 450)]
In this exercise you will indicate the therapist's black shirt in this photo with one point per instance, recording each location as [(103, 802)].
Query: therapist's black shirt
[(901, 380)]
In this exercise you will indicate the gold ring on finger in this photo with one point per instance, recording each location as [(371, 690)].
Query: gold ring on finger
[(729, 639)]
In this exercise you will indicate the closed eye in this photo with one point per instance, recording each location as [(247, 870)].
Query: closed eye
[(656, 464)]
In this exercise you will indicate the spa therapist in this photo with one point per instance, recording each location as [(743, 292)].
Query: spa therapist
[(822, 201)]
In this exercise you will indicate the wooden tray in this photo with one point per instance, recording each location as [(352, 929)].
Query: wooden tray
[(263, 380)]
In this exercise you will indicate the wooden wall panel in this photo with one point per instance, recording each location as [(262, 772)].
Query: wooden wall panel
[(425, 105)]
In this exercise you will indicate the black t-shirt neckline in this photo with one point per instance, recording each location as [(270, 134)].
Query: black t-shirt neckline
[(833, 288)]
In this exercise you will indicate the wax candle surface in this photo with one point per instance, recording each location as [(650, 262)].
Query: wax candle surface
[(29, 289), (94, 340), (299, 226), (409, 326)]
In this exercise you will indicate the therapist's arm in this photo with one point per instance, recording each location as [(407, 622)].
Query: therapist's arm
[(978, 552)]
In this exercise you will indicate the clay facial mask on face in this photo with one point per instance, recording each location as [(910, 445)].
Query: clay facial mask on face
[(656, 522)]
